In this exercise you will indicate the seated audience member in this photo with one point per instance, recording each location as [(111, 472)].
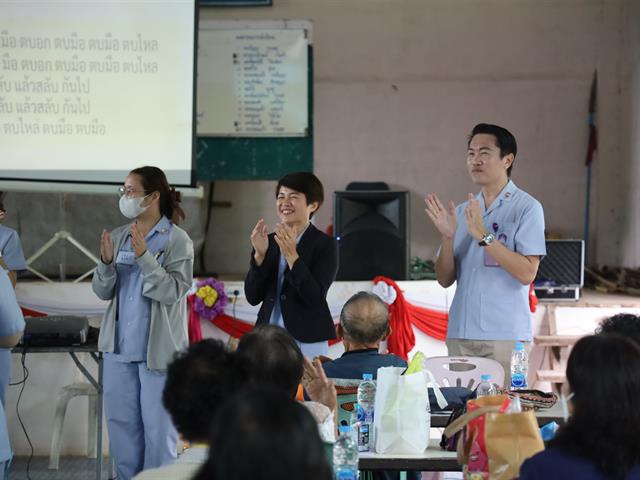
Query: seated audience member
[(275, 360), (263, 434), (625, 324), (11, 327), (601, 438), (364, 323), (199, 379)]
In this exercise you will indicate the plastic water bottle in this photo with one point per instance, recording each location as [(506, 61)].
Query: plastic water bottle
[(486, 387), (514, 406), (366, 401), (519, 367), (354, 422), (345, 456)]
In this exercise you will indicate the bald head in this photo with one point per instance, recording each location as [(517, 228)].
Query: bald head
[(365, 318)]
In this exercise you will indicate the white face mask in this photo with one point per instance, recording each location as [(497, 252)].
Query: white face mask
[(564, 402), (131, 207)]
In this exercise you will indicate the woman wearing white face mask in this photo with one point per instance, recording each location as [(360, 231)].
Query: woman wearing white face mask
[(145, 272)]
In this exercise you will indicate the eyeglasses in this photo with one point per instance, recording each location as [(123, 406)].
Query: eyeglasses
[(128, 191)]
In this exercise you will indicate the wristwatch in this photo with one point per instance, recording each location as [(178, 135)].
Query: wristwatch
[(487, 239)]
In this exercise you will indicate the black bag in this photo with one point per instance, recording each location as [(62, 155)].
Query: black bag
[(456, 397)]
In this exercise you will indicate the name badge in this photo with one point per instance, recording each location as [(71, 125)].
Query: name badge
[(126, 258), (489, 261)]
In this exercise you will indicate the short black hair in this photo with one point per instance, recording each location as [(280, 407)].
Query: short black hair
[(2, 201), (262, 434), (625, 324), (603, 372), (365, 318), (199, 379), (274, 356), (505, 140), (306, 183)]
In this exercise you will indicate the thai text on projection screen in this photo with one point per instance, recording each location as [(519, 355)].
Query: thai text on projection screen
[(253, 82), (91, 89)]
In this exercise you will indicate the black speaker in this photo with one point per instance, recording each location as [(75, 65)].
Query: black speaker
[(372, 229)]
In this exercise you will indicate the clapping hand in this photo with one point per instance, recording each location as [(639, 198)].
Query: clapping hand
[(106, 247), (444, 219), (473, 214), (260, 240), (138, 242), (286, 239)]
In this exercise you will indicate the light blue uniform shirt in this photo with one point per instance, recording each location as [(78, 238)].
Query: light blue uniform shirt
[(11, 249), (11, 322), (489, 303), (276, 313), (134, 309)]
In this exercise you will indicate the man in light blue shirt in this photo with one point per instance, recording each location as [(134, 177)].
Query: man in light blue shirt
[(491, 246), (11, 327), (12, 260)]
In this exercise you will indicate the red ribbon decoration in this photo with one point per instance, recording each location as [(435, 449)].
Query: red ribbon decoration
[(403, 315), (533, 299), (194, 327)]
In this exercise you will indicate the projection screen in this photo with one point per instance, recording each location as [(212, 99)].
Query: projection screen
[(90, 89)]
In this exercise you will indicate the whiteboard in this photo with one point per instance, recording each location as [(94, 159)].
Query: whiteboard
[(253, 79)]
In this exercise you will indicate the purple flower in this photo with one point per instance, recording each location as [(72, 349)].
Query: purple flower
[(210, 292)]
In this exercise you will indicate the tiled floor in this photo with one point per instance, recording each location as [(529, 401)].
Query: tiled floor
[(71, 468)]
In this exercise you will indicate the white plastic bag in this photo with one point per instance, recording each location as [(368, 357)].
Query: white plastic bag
[(401, 418)]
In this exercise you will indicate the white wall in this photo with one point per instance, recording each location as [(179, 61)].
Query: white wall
[(399, 84), (631, 124)]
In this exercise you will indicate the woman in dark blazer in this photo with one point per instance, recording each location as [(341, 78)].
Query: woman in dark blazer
[(292, 268)]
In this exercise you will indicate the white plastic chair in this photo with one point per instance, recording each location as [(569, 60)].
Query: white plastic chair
[(464, 371), (65, 395)]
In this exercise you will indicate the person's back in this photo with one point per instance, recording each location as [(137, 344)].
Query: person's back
[(262, 434), (601, 437), (354, 364), (364, 323), (199, 380), (275, 360)]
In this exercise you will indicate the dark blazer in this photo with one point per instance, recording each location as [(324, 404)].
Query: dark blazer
[(303, 298)]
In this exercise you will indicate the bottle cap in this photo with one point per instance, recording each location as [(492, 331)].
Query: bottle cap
[(519, 346), (485, 378), (367, 376)]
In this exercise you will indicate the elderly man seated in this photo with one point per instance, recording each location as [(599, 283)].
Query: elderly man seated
[(364, 323)]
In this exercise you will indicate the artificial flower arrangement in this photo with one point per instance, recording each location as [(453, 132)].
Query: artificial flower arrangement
[(210, 298)]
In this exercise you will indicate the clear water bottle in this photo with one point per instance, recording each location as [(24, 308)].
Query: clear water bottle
[(519, 367), (366, 400), (345, 456), (354, 422), (514, 405), (486, 387)]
